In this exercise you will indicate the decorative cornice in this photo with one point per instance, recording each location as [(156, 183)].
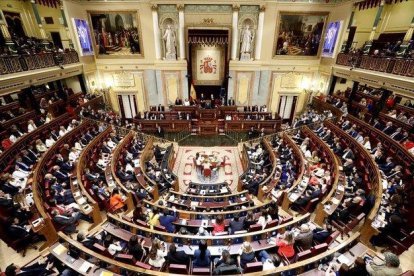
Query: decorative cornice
[(236, 7), (154, 8), (262, 8), (180, 7)]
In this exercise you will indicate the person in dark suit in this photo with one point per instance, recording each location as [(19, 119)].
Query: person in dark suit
[(388, 129), (69, 222), (87, 241), (160, 132), (32, 153), (178, 101), (35, 269), (63, 164), (17, 230), (348, 154), (231, 101), (388, 166), (124, 175), (236, 224), (59, 174), (397, 135), (377, 124), (177, 257), (302, 201), (135, 247), (93, 176), (23, 166), (26, 158), (5, 200)]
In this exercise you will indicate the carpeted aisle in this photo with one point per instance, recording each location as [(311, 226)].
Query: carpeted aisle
[(186, 172)]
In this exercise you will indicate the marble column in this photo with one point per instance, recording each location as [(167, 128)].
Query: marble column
[(409, 33), (181, 31), (156, 32), (65, 23), (3, 28), (38, 20), (235, 32), (259, 35), (377, 20)]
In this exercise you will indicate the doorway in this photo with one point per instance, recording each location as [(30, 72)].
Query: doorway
[(287, 107), (127, 106), (14, 24), (57, 41)]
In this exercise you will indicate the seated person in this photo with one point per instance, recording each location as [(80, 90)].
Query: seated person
[(69, 222), (269, 262), (157, 254), (225, 265), (177, 257), (285, 245), (390, 267), (116, 201), (39, 268), (136, 248), (167, 221), (246, 254), (202, 255), (305, 237), (236, 224), (100, 189), (218, 226)]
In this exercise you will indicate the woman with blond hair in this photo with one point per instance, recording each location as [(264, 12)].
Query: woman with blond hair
[(366, 143), (285, 245), (157, 253), (246, 254)]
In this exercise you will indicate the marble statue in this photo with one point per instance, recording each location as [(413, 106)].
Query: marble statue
[(246, 43), (169, 38)]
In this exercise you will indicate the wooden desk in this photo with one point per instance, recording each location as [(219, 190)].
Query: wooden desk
[(295, 266), (374, 178), (49, 231), (60, 251)]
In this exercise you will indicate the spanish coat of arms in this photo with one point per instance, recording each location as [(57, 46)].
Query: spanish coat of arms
[(208, 65)]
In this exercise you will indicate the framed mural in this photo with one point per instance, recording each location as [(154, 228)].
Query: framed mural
[(116, 33), (208, 65), (331, 39), (300, 34), (81, 27)]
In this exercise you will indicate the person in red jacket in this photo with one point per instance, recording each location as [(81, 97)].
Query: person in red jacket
[(218, 226), (390, 102)]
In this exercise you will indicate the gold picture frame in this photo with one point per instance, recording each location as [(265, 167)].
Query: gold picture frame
[(134, 13), (277, 31)]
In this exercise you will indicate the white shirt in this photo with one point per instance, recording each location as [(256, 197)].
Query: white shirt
[(367, 145), (49, 142), (263, 221), (111, 144), (31, 127), (73, 156), (78, 146), (62, 132), (129, 168), (186, 103), (12, 138)]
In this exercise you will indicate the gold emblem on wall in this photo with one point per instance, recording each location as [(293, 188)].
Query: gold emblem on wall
[(208, 21)]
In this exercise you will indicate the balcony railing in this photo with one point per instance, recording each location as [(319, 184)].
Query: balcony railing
[(18, 63), (397, 66)]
